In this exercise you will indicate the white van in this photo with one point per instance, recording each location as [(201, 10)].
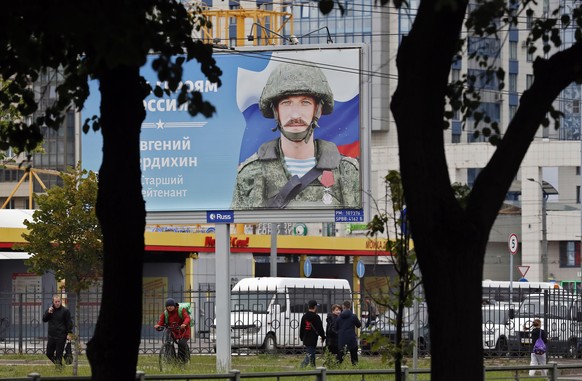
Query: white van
[(266, 312), (497, 326)]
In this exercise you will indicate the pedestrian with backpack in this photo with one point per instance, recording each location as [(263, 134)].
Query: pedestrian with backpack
[(178, 320), (539, 340)]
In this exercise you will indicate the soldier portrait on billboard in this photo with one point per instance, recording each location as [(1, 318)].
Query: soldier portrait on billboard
[(296, 170)]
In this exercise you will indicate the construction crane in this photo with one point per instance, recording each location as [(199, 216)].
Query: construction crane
[(31, 174), (270, 22)]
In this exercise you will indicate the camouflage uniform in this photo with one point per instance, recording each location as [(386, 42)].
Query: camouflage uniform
[(261, 177)]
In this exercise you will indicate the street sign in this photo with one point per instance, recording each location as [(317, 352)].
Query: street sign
[(513, 243), (220, 216), (360, 269), (522, 270), (307, 268), (349, 215)]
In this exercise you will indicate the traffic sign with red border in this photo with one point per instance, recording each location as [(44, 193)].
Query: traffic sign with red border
[(522, 270), (513, 243)]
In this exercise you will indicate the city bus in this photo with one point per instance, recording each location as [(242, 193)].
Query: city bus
[(506, 292)]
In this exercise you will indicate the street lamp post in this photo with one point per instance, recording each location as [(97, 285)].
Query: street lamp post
[(544, 256)]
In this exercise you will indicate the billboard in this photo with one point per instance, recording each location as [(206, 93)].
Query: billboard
[(310, 165)]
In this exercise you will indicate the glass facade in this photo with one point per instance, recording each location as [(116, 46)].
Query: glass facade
[(58, 147), (354, 26)]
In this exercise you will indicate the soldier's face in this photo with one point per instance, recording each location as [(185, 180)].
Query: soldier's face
[(296, 112)]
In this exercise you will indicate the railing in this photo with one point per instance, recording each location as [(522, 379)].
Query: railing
[(554, 370), (22, 330)]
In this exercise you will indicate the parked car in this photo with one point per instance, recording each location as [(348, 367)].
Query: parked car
[(386, 327)]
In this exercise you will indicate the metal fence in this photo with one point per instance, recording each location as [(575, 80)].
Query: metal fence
[(269, 321), (554, 371)]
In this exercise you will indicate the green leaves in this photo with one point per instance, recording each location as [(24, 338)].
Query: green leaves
[(64, 236), (391, 222), (325, 6)]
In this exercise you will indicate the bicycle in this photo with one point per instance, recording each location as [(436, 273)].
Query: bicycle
[(168, 353)]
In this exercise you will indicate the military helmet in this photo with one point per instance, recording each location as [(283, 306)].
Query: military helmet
[(295, 79)]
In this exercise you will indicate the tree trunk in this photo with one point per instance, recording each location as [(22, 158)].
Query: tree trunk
[(121, 212), (449, 247), (450, 242), (77, 333)]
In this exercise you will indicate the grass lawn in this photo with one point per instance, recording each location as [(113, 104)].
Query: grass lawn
[(21, 365)]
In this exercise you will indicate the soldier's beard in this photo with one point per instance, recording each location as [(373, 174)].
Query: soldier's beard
[(304, 135)]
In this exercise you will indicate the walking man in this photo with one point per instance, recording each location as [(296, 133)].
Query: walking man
[(60, 328), (346, 331), (310, 328)]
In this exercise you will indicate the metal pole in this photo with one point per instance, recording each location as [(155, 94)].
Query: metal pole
[(223, 355), (544, 254), (416, 332), (510, 278), (273, 257), (544, 237)]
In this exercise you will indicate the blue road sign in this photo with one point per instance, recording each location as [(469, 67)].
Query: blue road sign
[(349, 215), (360, 269), (220, 216), (307, 268)]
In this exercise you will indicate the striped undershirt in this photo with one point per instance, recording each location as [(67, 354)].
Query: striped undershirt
[(299, 167)]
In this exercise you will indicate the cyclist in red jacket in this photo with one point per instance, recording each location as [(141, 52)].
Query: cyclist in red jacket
[(179, 321)]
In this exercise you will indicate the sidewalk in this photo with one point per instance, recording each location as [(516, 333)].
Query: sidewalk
[(14, 362)]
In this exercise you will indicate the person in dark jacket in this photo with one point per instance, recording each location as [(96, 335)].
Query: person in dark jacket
[(310, 328), (346, 331), (538, 358), (60, 328), (330, 330), (372, 312)]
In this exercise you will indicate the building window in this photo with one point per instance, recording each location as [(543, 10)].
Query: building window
[(570, 254), (305, 10), (529, 21), (512, 111), (576, 106), (546, 7), (528, 81), (513, 50), (472, 174), (513, 82), (577, 194)]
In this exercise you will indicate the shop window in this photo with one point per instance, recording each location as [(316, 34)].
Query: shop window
[(569, 254)]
